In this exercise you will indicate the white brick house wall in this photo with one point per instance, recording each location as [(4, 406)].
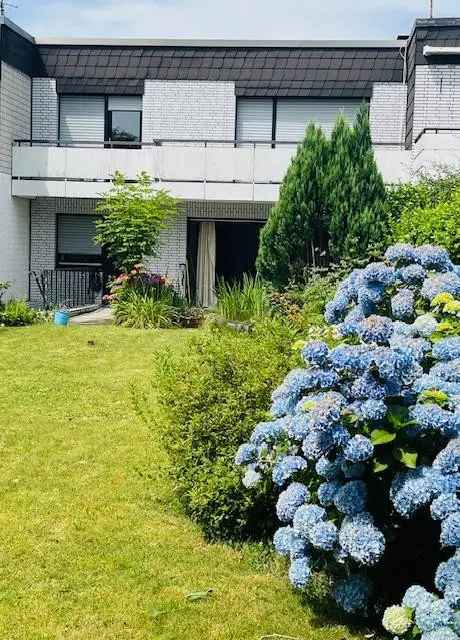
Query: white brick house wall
[(44, 109), (437, 97), (172, 249), (387, 113), (188, 110), (15, 98)]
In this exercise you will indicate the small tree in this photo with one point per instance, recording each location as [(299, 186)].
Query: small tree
[(355, 190), (133, 214), (297, 224)]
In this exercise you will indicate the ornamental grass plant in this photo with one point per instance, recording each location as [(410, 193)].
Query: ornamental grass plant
[(243, 301), (362, 445)]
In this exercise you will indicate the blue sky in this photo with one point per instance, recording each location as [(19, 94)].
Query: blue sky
[(265, 19)]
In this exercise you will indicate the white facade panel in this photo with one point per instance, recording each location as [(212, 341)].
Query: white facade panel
[(294, 115), (82, 118)]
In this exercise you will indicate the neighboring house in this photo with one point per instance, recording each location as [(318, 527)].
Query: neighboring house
[(214, 122)]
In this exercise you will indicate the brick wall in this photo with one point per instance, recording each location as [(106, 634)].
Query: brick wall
[(15, 108), (188, 110), (15, 95), (44, 109), (387, 113), (172, 250), (437, 97)]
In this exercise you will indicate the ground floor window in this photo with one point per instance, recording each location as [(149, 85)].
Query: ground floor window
[(75, 242), (220, 250)]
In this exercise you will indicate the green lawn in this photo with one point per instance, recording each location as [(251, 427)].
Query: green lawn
[(91, 544)]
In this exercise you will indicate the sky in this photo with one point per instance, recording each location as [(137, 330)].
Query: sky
[(261, 19)]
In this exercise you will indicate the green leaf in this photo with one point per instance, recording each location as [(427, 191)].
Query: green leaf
[(397, 416), (435, 396), (379, 467), (380, 436), (408, 458)]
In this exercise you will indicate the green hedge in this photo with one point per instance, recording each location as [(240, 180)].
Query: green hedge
[(211, 395)]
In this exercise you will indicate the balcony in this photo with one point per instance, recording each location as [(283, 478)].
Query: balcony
[(193, 170)]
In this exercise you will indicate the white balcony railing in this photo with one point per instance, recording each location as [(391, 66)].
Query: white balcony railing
[(197, 170)]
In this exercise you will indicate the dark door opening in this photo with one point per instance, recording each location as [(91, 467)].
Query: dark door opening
[(237, 245)]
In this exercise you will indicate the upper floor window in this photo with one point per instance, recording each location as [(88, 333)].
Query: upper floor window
[(285, 119), (98, 118)]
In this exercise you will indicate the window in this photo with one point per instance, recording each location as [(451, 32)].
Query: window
[(75, 242), (285, 119), (125, 119), (98, 118)]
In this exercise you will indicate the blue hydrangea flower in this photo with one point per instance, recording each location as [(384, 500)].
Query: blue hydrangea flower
[(433, 257), (452, 595), (268, 432), (449, 371), (351, 322), (282, 540), (286, 467), (359, 449), (402, 304), (366, 387), (306, 517), (246, 454), (327, 491), (447, 573), (251, 478), (299, 572), (413, 274), (428, 381), (352, 594), (417, 347), (376, 330), (432, 416), (432, 616), (444, 505), (443, 283), (373, 410), (340, 435), (351, 498), (448, 460), (450, 531), (327, 409), (443, 633), (352, 359), (447, 349), (317, 444), (323, 535), (417, 596), (400, 254), (329, 469), (315, 353), (378, 272), (412, 490), (290, 500)]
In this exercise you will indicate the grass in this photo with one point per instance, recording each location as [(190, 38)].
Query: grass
[(243, 301), (91, 543)]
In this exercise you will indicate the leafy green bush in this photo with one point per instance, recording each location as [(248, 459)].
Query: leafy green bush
[(211, 395), (17, 313), (439, 224), (244, 301)]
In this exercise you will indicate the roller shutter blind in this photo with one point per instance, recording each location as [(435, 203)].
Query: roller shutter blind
[(82, 118), (75, 235), (293, 116), (254, 119)]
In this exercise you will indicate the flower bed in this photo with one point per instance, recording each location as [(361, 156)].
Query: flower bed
[(364, 441)]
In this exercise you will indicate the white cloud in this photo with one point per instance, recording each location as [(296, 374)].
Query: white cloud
[(287, 19)]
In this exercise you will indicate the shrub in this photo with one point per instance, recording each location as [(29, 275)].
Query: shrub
[(243, 302), (438, 224), (17, 313), (144, 300), (210, 396), (132, 217), (363, 444)]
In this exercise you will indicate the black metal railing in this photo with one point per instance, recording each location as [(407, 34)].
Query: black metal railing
[(73, 288)]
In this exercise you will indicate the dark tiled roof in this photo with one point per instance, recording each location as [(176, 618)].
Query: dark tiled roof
[(439, 32), (256, 71), (19, 52)]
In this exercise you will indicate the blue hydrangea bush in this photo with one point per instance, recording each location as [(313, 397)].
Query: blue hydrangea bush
[(366, 437)]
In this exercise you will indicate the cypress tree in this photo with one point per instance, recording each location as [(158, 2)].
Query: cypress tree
[(298, 222), (356, 191)]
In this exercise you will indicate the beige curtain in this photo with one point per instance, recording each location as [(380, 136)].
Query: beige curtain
[(206, 268)]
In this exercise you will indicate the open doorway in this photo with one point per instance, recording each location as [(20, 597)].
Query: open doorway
[(236, 248)]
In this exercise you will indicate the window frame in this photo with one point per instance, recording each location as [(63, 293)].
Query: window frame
[(109, 112), (76, 264)]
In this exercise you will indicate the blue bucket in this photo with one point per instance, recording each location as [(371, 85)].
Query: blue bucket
[(61, 318)]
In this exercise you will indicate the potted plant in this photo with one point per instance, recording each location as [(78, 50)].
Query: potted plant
[(192, 317), (62, 315)]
